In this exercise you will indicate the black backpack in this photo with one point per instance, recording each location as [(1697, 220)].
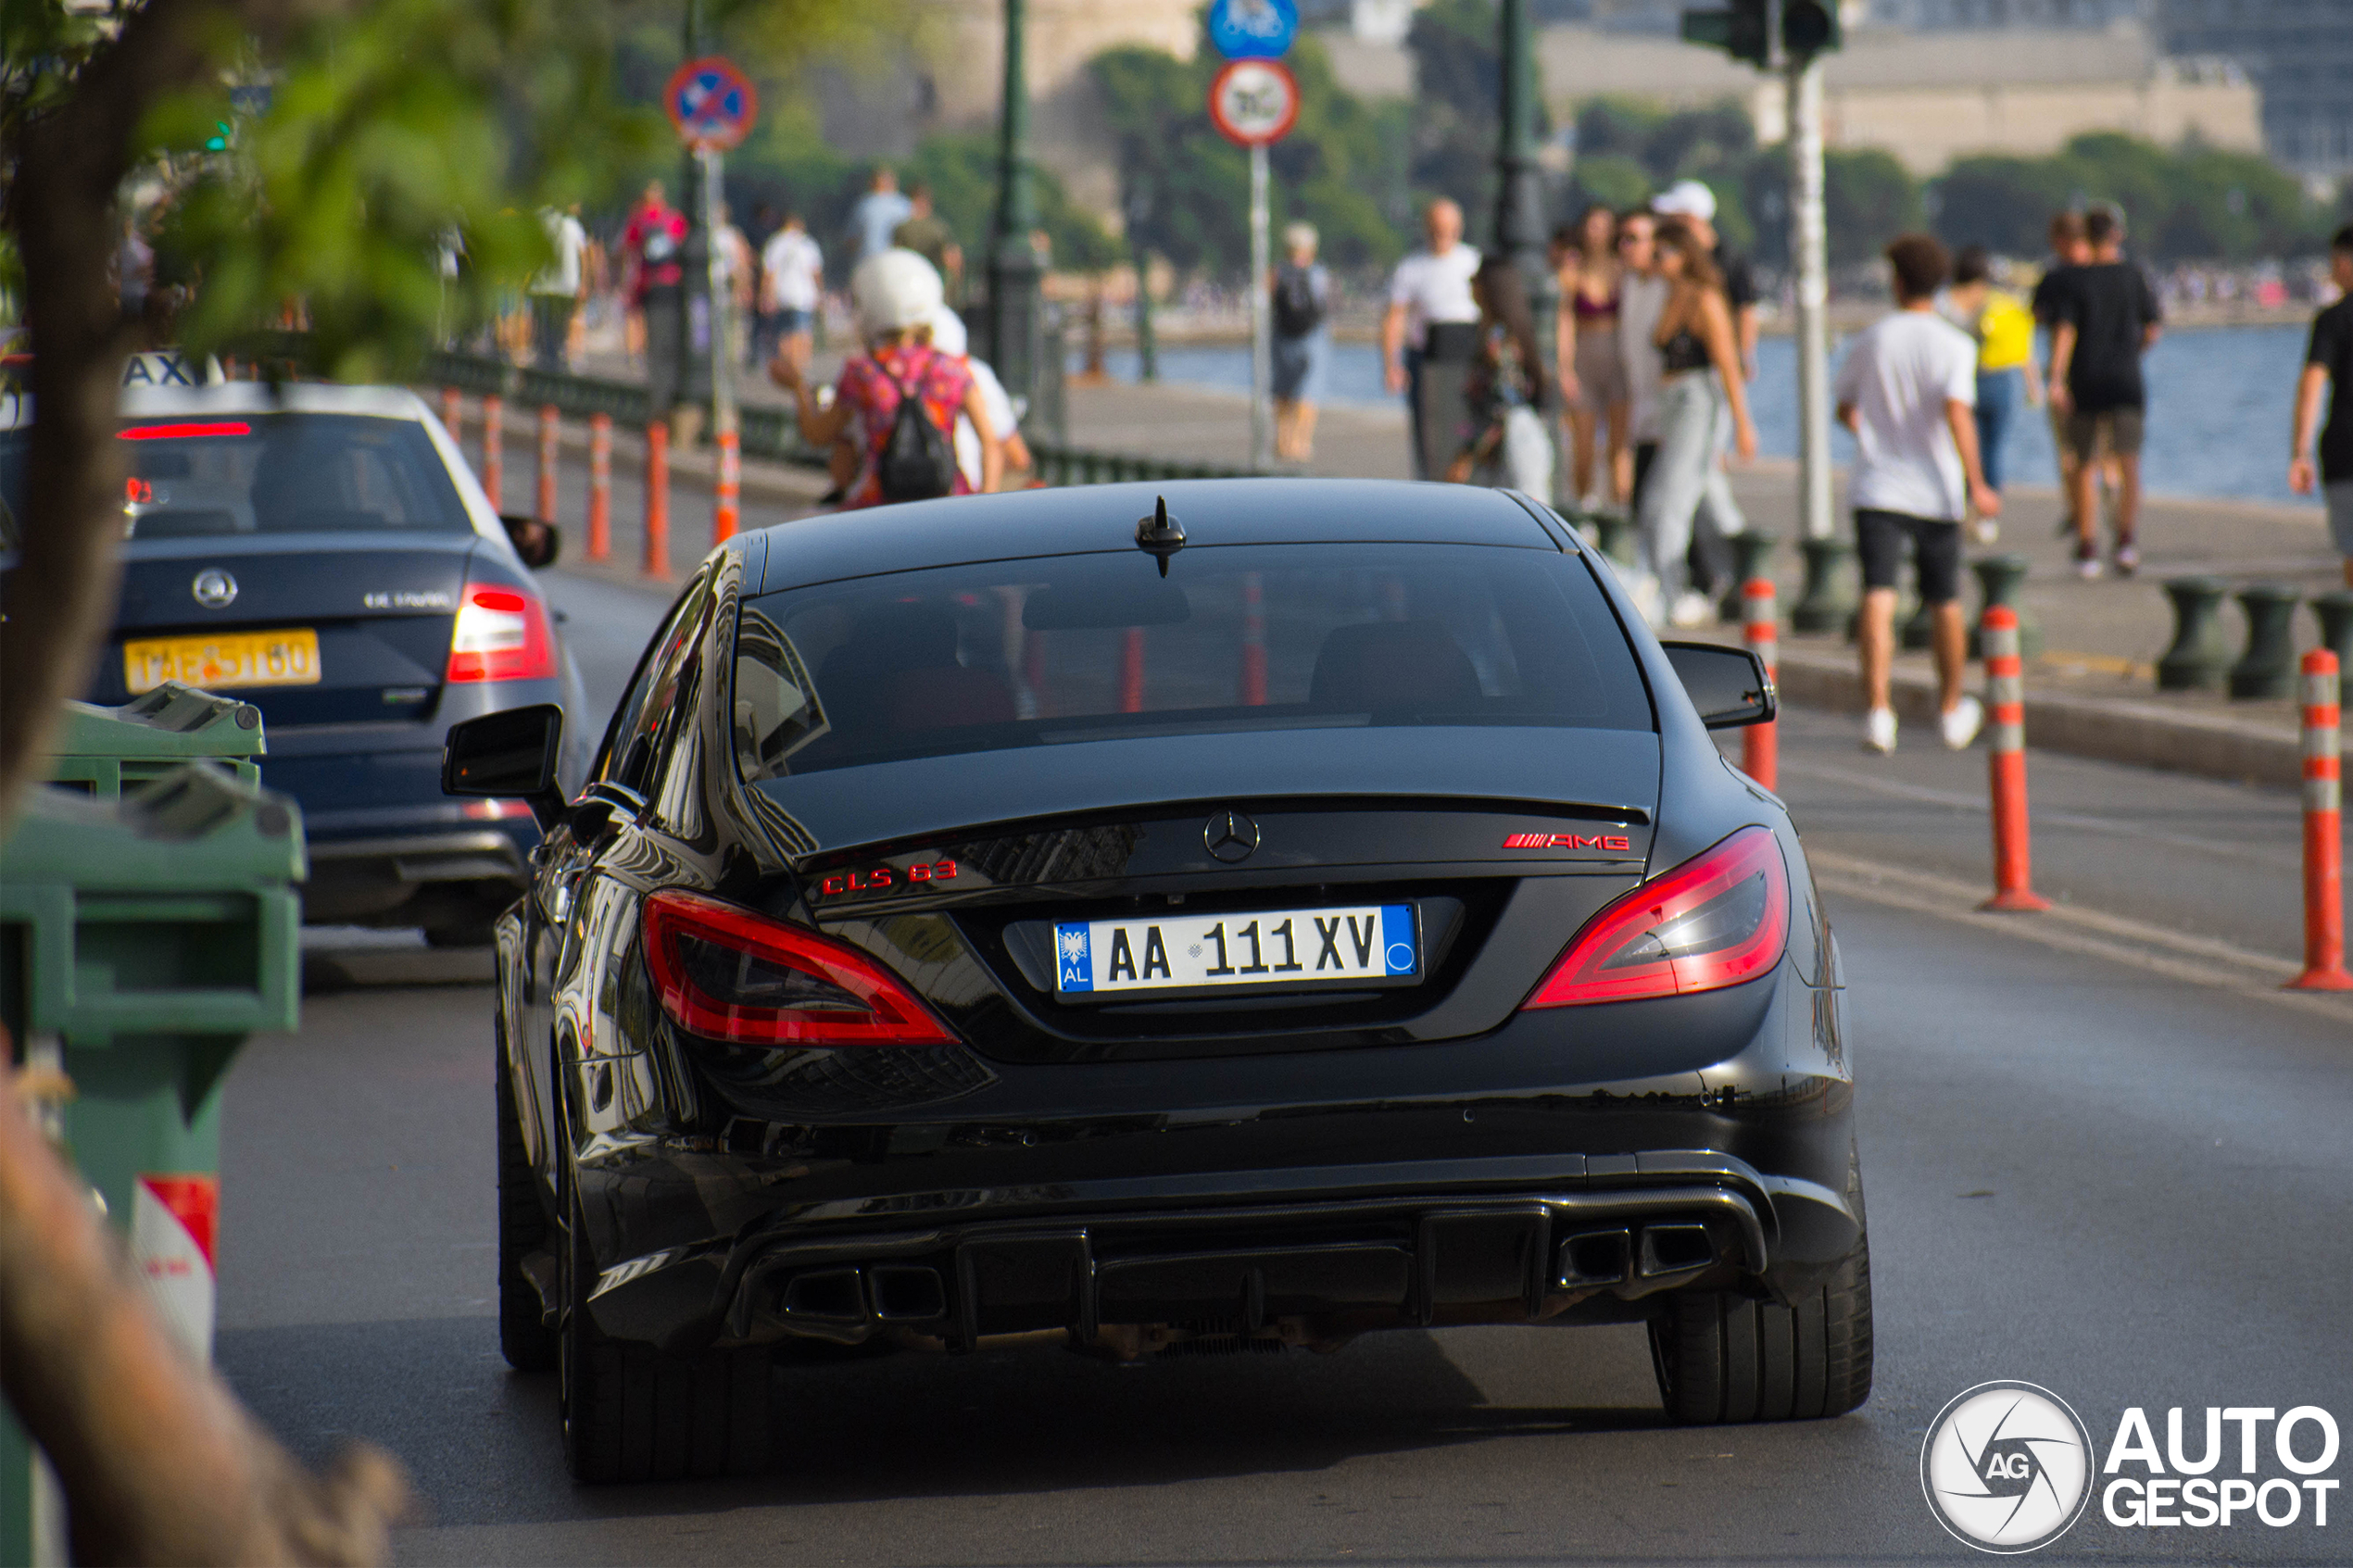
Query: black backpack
[(918, 462), (1297, 310)]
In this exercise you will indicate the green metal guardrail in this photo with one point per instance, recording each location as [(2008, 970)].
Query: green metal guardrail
[(148, 924)]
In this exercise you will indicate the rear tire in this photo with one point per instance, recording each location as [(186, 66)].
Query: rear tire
[(524, 1337), (1722, 1357), (633, 1413)]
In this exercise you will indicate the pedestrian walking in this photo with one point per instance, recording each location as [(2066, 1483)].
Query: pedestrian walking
[(792, 287), (1908, 391), (2106, 317), (950, 335), (2328, 362), (898, 402), (1428, 334), (876, 216), (1699, 363), (1509, 444), (2004, 330), (738, 267), (1719, 517), (558, 288), (2069, 250), (1642, 295), (1301, 292), (651, 243), (1597, 399), (927, 235)]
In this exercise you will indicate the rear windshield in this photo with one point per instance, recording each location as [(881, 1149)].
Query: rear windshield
[(285, 473), (1041, 653)]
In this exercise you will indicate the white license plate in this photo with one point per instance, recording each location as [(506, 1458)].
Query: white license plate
[(1190, 952)]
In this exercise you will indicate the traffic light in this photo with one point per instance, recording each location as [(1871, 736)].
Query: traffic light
[(1809, 27), (1742, 31)]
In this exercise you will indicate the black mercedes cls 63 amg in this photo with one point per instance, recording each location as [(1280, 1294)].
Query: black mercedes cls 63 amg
[(1231, 917)]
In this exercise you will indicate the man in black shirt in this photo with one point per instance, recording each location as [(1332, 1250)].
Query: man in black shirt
[(2068, 251), (2329, 362), (2106, 317)]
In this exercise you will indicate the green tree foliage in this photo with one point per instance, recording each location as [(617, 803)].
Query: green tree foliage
[(1341, 169), (1629, 150), (2191, 203)]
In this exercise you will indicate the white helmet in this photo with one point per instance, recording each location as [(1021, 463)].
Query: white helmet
[(894, 291)]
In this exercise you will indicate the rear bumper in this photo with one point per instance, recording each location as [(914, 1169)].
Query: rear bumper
[(1579, 1246), (408, 877)]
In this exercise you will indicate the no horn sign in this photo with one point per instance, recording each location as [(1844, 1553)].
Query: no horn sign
[(1254, 102), (711, 103)]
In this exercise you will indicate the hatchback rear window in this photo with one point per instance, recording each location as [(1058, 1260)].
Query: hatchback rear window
[(285, 473), (1050, 652)]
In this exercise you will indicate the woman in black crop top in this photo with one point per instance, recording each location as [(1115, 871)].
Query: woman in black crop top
[(1700, 361)]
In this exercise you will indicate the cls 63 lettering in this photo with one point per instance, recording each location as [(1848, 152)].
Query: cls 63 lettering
[(884, 879)]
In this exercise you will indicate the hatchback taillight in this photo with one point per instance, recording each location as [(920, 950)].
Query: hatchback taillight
[(730, 975), (502, 635), (1719, 918)]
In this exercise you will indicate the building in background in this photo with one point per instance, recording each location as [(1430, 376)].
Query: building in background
[(2299, 53), (1931, 97)]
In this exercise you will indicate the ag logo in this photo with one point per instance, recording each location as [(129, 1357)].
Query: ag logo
[(2007, 1467)]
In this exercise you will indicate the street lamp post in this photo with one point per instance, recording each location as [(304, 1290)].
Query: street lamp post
[(1015, 329), (696, 306), (1808, 244), (1519, 204)]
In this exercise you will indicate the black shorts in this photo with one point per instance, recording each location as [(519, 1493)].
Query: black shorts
[(1880, 538)]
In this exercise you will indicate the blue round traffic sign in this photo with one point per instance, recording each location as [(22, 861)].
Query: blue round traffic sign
[(1254, 30), (711, 103)]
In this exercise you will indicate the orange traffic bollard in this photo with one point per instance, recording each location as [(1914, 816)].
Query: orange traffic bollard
[(2324, 819), (599, 486), (2005, 697), (1253, 641), (657, 499), (1131, 671), (1760, 627), (726, 514), (453, 412), (549, 417), (494, 451)]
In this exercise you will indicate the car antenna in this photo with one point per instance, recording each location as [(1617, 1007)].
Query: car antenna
[(1160, 534)]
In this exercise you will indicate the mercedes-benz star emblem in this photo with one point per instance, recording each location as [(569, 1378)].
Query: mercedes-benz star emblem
[(213, 587), (1230, 837)]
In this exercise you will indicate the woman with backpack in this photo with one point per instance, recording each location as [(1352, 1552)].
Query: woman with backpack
[(1303, 295), (897, 404)]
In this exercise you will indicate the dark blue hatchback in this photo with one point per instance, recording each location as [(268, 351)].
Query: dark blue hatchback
[(324, 553)]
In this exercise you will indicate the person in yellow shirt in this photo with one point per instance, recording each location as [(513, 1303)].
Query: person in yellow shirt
[(2004, 329)]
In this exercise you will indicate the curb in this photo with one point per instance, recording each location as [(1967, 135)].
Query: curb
[(2143, 735)]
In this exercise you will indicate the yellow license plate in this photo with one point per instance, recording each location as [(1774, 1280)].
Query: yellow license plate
[(236, 658)]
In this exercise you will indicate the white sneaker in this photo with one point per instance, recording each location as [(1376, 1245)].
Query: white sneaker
[(1962, 723), (1879, 730), (1643, 588), (1692, 610)]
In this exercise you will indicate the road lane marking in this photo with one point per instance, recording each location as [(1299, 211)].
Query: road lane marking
[(2196, 960), (2045, 816)]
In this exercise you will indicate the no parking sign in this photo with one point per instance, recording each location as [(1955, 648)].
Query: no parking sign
[(711, 103)]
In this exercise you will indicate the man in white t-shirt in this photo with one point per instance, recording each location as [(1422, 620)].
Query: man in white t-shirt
[(792, 285), (1429, 334), (1908, 392), (556, 291)]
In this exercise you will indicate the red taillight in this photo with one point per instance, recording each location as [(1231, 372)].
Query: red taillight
[(501, 634), (1719, 918), (730, 975), (184, 432)]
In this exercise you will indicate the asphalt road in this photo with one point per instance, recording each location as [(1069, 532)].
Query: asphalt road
[(2100, 1156)]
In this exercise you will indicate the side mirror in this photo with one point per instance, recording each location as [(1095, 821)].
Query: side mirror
[(535, 541), (512, 754), (1728, 685)]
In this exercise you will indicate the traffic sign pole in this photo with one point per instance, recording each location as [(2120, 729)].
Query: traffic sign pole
[(1254, 102), (1262, 356)]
